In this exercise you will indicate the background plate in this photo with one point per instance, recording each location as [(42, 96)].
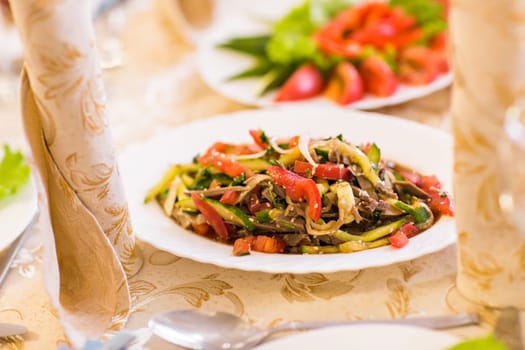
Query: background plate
[(216, 65), (369, 337), (16, 212), (423, 148)]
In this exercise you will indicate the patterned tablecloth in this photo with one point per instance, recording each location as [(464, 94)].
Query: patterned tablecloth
[(157, 88)]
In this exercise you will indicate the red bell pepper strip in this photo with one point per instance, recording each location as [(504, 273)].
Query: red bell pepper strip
[(327, 171), (230, 197), (225, 163), (257, 138), (298, 188), (212, 217)]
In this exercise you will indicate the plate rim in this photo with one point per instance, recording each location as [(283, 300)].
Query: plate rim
[(447, 222), (344, 329), (32, 209)]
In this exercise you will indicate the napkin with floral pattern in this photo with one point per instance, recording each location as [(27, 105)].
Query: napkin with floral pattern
[(90, 249), (488, 46)]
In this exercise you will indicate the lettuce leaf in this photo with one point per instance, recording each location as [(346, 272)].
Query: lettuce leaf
[(291, 40), (14, 172), (486, 343), (428, 15)]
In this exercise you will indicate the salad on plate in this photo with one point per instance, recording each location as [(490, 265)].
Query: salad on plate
[(300, 195), (346, 52), (14, 172)]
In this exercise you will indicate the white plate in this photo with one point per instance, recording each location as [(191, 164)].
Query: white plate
[(425, 149), (369, 337), (216, 65), (16, 212)]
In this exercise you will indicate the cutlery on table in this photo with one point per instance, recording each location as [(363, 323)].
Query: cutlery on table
[(196, 330), (11, 330), (8, 256), (6, 259)]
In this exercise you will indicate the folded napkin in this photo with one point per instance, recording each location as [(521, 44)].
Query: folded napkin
[(488, 50), (90, 249)]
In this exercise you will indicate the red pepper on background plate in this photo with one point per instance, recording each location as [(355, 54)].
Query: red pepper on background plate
[(418, 66), (345, 85), (378, 77), (306, 82)]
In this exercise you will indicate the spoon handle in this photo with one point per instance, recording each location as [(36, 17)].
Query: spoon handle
[(435, 322)]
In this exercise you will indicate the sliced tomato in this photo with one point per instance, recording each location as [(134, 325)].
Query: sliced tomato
[(201, 229), (398, 239), (225, 163), (378, 77), (440, 201), (298, 188), (418, 66), (266, 244), (257, 138), (409, 229), (212, 217), (230, 197), (345, 85), (306, 82), (411, 176), (243, 245), (329, 171), (429, 182)]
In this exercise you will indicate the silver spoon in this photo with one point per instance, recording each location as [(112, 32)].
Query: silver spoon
[(219, 330)]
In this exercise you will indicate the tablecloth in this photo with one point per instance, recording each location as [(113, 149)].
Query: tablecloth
[(158, 87)]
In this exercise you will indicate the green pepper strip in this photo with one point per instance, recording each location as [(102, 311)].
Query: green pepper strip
[(167, 178), (371, 235), (316, 249)]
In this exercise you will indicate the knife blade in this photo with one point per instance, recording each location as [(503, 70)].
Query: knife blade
[(6, 259), (508, 328)]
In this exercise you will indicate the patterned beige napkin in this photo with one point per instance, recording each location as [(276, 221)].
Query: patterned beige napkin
[(488, 46), (91, 246)]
